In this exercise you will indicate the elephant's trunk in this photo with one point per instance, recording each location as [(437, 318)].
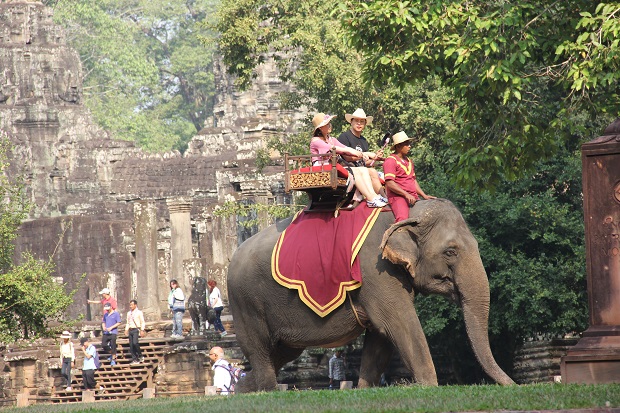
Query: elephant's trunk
[(475, 304)]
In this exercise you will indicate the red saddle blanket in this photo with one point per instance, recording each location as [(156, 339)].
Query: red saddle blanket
[(317, 255)]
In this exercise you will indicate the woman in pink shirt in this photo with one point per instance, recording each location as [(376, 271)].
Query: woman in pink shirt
[(322, 143)]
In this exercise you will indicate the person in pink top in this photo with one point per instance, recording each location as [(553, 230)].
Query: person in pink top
[(403, 189), (106, 298), (322, 142)]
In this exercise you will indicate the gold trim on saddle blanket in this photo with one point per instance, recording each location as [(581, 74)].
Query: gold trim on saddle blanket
[(300, 285)]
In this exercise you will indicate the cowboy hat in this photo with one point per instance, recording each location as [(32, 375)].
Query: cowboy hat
[(321, 119), (399, 137), (65, 334), (358, 114)]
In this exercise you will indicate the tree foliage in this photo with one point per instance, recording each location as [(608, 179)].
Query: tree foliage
[(148, 77), (531, 240), (30, 298), (519, 68)]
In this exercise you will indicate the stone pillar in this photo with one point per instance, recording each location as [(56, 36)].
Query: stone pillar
[(346, 385), (88, 396), (147, 294), (180, 240), (596, 357), (148, 393), (22, 400)]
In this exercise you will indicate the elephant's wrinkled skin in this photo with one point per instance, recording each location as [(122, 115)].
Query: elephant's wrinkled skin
[(432, 252)]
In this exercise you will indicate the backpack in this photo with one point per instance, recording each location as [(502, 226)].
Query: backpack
[(235, 374), (97, 361)]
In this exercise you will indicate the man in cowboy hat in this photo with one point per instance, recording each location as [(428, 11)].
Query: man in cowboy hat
[(402, 186), (353, 138)]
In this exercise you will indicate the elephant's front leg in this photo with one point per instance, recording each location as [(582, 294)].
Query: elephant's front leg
[(376, 355), (400, 325), (408, 337)]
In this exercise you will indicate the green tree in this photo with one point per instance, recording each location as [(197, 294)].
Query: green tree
[(148, 78), (312, 54), (519, 68), (30, 298)]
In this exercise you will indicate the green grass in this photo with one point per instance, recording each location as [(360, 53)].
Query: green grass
[(391, 399)]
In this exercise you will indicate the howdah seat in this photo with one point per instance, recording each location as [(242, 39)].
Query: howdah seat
[(326, 185)]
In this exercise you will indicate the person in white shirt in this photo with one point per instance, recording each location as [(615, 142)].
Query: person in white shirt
[(215, 301), (221, 371), (67, 357), (176, 302), (134, 330)]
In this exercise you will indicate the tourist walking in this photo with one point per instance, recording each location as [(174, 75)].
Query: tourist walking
[(88, 369), (67, 357), (337, 370), (134, 330), (176, 302), (215, 301), (111, 321), (222, 378)]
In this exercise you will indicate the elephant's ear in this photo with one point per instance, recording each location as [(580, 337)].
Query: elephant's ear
[(400, 244)]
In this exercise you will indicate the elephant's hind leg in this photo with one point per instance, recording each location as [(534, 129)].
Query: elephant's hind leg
[(376, 356), (254, 338)]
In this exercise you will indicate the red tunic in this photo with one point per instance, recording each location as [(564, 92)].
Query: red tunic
[(402, 172)]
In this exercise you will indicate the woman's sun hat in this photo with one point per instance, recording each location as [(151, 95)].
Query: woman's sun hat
[(358, 114), (321, 119), (65, 334), (399, 137)]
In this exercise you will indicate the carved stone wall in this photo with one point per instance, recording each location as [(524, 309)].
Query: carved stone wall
[(84, 184)]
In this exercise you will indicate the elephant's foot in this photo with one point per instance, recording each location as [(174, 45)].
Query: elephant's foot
[(246, 384), (363, 384)]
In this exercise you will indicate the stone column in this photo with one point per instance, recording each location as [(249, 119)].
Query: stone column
[(180, 240), (596, 357), (145, 218)]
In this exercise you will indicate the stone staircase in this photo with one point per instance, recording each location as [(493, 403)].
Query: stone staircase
[(123, 381)]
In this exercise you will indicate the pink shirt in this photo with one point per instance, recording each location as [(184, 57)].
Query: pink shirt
[(110, 300), (318, 145)]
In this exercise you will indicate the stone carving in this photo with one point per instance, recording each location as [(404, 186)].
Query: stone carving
[(5, 84), (68, 86), (199, 311)]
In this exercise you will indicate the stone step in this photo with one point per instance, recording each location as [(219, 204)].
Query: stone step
[(124, 380)]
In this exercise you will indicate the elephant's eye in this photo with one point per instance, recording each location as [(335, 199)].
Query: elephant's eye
[(451, 252)]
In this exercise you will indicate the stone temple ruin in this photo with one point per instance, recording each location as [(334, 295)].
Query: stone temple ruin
[(129, 220)]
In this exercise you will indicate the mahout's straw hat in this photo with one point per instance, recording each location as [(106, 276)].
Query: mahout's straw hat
[(399, 137)]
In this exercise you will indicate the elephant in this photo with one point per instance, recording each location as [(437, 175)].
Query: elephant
[(431, 252)]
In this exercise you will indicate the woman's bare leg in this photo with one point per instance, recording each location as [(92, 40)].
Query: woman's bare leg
[(376, 182), (364, 183)]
